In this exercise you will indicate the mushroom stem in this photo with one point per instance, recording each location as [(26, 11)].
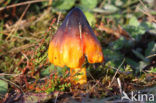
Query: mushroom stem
[(78, 75)]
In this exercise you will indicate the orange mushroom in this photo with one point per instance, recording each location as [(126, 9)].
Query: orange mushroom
[(73, 41)]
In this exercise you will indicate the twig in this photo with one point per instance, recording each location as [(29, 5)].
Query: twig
[(26, 57), (150, 56), (116, 72), (142, 4), (93, 86), (148, 14), (91, 76), (146, 11), (120, 87), (3, 74), (18, 49), (102, 4), (10, 82), (42, 16), (18, 22), (58, 20), (56, 94), (20, 4)]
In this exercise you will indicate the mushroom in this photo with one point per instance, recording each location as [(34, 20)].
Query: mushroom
[(73, 41)]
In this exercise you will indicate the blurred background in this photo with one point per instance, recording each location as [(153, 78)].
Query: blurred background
[(126, 30)]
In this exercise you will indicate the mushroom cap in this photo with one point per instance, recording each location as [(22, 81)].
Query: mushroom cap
[(73, 41)]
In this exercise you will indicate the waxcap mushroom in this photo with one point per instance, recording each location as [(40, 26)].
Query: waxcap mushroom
[(73, 41)]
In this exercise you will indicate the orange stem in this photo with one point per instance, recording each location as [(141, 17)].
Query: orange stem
[(78, 75)]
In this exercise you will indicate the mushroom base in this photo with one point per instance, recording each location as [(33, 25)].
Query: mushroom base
[(78, 75)]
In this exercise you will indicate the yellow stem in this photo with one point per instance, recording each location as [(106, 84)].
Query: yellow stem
[(78, 75)]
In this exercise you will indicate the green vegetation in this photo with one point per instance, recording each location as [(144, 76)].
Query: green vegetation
[(126, 30)]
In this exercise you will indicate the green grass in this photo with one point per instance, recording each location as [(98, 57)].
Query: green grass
[(23, 49)]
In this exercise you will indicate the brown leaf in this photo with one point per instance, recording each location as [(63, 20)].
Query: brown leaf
[(117, 33), (124, 33)]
